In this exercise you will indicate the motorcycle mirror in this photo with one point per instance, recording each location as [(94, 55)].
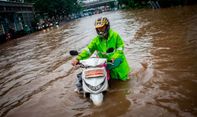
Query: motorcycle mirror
[(110, 50), (74, 52)]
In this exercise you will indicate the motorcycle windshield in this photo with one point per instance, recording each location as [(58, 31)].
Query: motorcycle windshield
[(93, 62)]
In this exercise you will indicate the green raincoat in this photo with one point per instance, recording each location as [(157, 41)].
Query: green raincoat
[(101, 45)]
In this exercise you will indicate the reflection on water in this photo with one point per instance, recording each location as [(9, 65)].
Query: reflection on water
[(35, 81)]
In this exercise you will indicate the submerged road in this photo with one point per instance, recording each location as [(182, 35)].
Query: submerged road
[(36, 81)]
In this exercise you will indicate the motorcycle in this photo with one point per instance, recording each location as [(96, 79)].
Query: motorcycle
[(95, 76)]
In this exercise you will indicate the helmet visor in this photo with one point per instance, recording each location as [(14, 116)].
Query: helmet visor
[(99, 24)]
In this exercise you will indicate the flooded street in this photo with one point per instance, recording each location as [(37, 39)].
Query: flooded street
[(37, 81)]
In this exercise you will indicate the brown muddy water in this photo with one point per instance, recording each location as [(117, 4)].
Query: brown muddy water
[(35, 80)]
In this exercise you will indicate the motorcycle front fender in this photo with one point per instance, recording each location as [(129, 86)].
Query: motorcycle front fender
[(97, 99)]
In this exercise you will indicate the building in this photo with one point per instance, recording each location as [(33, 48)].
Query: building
[(15, 15)]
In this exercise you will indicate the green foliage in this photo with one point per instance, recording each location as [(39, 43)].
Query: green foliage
[(162, 3), (55, 7), (132, 3)]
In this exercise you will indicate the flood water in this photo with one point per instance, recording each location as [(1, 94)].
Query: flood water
[(35, 80)]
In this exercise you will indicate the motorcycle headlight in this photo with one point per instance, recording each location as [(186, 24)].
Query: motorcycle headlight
[(95, 88)]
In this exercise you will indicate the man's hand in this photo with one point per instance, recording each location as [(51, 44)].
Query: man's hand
[(75, 62), (112, 60)]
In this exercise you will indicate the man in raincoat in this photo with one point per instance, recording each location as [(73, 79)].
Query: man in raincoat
[(106, 39)]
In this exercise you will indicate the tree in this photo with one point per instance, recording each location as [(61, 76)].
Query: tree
[(131, 3), (55, 7)]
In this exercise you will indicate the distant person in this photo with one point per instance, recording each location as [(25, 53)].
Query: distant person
[(27, 29), (10, 34)]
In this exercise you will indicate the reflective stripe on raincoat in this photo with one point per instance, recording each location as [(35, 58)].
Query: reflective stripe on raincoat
[(101, 45)]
